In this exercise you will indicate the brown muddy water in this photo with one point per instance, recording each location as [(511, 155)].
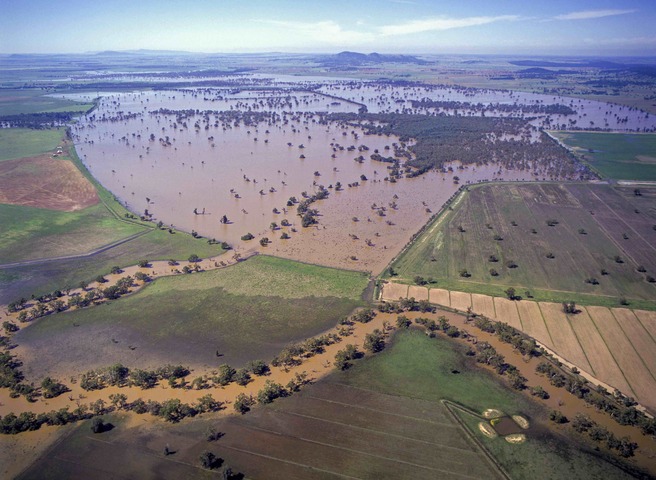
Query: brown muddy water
[(153, 157)]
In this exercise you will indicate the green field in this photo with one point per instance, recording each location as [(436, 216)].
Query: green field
[(23, 142), (29, 233), (15, 102), (23, 281), (620, 156), (605, 214), (381, 419), (419, 367), (247, 311)]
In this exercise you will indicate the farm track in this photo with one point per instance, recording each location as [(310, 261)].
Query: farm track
[(43, 261), (613, 347)]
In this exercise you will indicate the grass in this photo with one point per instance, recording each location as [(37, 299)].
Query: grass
[(24, 142), (16, 102), (621, 156), (247, 311), (17, 282), (546, 457), (31, 233), (443, 251), (419, 367), (112, 454)]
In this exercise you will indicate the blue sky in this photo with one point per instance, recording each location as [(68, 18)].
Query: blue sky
[(599, 27)]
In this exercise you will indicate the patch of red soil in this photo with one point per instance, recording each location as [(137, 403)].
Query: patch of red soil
[(45, 182)]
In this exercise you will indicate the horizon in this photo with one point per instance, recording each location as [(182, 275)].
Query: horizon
[(164, 52), (561, 28)]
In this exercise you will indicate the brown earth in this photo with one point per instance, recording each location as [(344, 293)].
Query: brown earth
[(47, 182), (611, 347)]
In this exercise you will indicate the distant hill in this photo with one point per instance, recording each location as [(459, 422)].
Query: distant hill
[(584, 64), (639, 68), (354, 59), (538, 72)]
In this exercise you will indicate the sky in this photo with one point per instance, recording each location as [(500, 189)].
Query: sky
[(553, 27)]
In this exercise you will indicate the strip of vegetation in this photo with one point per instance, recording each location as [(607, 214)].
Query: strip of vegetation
[(549, 109), (172, 410), (444, 139), (620, 407)]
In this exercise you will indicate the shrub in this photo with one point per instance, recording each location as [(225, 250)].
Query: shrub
[(374, 341), (270, 392), (225, 374), (243, 403), (97, 425), (258, 367), (557, 416)]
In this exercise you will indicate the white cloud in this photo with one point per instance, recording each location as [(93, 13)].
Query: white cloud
[(440, 24), (589, 14), (622, 41), (329, 32), (324, 31)]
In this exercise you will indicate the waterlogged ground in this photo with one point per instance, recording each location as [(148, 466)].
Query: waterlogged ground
[(243, 152)]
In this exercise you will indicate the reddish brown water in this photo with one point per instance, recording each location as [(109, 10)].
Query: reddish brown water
[(507, 426), (153, 161)]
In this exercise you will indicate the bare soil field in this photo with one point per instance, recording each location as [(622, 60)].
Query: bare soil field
[(601, 360), (461, 300), (642, 342), (648, 320), (439, 296), (615, 346), (484, 305), (45, 182), (419, 293), (506, 311), (562, 334), (624, 353)]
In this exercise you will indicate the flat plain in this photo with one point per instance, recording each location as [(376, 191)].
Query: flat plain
[(381, 419), (248, 311), (621, 156), (613, 345), (590, 243)]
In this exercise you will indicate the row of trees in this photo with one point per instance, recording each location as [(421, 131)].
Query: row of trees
[(120, 375), (172, 410)]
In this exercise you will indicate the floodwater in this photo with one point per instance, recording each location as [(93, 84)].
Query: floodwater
[(191, 156), (589, 114)]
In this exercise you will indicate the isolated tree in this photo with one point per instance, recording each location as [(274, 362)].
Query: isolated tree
[(208, 460), (510, 293), (97, 425), (374, 342)]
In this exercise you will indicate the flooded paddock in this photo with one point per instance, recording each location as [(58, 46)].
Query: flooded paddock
[(225, 162)]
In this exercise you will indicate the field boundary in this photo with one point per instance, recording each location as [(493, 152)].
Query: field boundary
[(619, 324), (104, 248), (582, 371), (496, 466)]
